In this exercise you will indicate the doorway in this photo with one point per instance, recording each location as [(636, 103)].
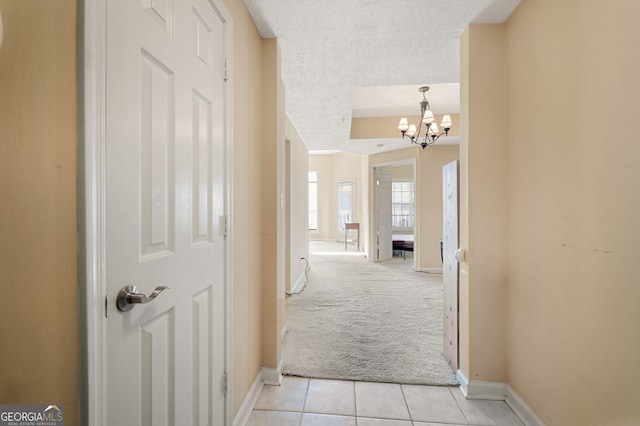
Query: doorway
[(336, 272), (394, 229), (346, 209)]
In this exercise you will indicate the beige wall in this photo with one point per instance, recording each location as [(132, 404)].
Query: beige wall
[(38, 219), (570, 293), (298, 204), (272, 142), (572, 319), (402, 172), (387, 127), (483, 204), (247, 196)]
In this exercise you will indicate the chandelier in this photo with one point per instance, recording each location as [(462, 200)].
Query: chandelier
[(432, 133)]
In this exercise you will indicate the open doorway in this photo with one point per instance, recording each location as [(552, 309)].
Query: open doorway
[(394, 212), (358, 316)]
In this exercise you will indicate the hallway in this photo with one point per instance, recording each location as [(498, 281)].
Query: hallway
[(312, 402), (363, 321)]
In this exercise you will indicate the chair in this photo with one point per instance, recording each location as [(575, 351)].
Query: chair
[(347, 227)]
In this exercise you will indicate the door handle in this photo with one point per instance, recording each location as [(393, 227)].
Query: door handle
[(129, 296)]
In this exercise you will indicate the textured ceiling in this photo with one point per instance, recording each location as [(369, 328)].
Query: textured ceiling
[(333, 50)]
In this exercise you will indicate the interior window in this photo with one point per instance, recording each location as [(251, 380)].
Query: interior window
[(403, 204), (313, 201)]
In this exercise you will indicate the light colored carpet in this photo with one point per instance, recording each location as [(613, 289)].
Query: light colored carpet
[(363, 321)]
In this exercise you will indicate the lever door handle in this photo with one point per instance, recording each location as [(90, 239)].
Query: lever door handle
[(129, 296)]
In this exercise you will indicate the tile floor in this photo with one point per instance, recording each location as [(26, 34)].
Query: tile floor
[(313, 402)]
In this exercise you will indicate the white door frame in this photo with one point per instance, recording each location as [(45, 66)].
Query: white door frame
[(91, 205), (373, 218)]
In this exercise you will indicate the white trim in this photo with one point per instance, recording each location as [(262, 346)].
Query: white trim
[(91, 203), (429, 270), (522, 410), (476, 389), (464, 382), (281, 367), (272, 376), (297, 287), (229, 170), (244, 412), (285, 330)]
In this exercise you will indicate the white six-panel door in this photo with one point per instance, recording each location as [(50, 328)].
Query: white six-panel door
[(450, 264), (383, 214), (164, 211)]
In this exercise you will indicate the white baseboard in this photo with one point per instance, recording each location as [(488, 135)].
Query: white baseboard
[(244, 412), (430, 270), (281, 367), (299, 285), (285, 330), (487, 390), (464, 382), (522, 410), (271, 376), (476, 389)]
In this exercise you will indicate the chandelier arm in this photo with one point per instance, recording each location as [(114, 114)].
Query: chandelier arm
[(436, 137), (416, 137)]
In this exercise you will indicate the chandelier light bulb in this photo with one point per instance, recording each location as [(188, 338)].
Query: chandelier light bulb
[(428, 117), (412, 130), (446, 121), (433, 128), (403, 125)]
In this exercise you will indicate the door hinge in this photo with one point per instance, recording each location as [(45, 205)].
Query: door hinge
[(226, 69), (226, 226), (106, 306), (226, 383)]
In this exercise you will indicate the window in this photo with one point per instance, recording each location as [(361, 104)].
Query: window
[(403, 204), (313, 201)]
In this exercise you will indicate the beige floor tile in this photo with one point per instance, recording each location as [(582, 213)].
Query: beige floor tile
[(435, 424), (331, 397), (289, 396), (486, 413), (274, 418), (433, 404), (327, 420), (363, 421), (381, 400)]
